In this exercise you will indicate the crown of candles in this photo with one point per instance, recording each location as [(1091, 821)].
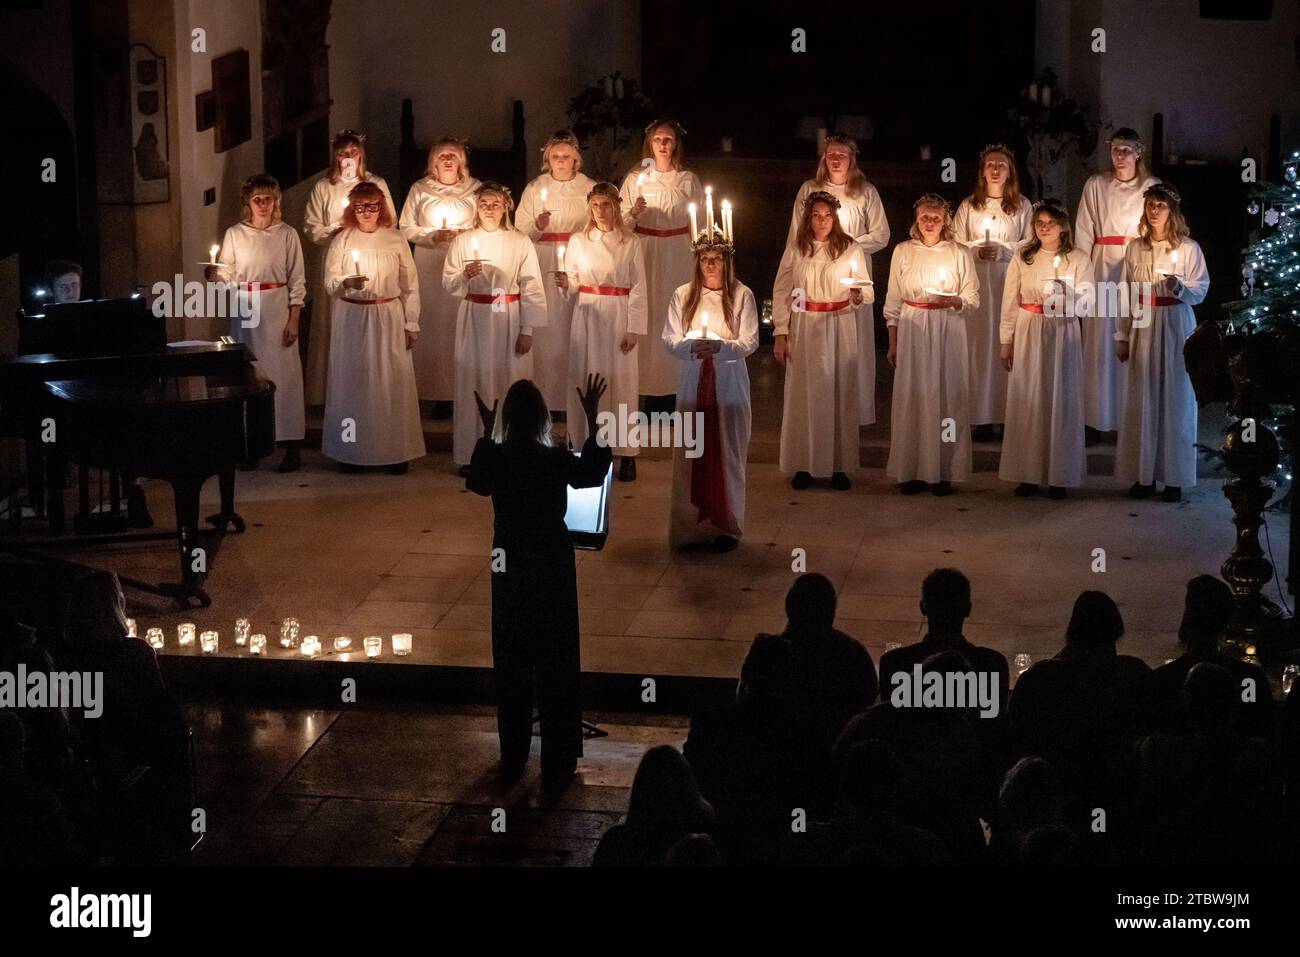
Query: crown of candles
[(713, 235)]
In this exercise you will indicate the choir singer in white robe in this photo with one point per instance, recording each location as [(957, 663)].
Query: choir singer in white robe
[(372, 411), (712, 327), (655, 197), (263, 254), (493, 268), (438, 208), (933, 289), (552, 208), (814, 318), (1047, 292), (1106, 222), (1157, 435), (322, 219), (862, 215), (992, 222), (605, 273)]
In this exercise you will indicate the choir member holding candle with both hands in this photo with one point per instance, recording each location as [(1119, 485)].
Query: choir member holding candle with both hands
[(1048, 291), (712, 327), (438, 208), (933, 288), (818, 288)]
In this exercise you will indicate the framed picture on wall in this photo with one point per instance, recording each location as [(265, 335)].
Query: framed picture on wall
[(234, 105), (131, 124)]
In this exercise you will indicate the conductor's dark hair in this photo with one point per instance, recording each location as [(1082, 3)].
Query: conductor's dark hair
[(60, 267), (523, 417), (1095, 620), (945, 595), (810, 602)]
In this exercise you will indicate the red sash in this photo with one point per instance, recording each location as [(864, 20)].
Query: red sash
[(1112, 240), (708, 472), (369, 302), (259, 286), (554, 237), (1032, 307), (810, 306), (1161, 300), (606, 290), (662, 233), (486, 299), (924, 305)]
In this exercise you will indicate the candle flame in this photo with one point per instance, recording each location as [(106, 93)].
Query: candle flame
[(708, 191), (1056, 261), (213, 252)]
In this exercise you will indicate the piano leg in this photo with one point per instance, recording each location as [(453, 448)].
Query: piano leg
[(227, 515), (56, 480), (187, 529)]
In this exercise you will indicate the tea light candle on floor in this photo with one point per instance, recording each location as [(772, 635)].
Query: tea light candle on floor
[(208, 642), (401, 644), (289, 633), (256, 644), (185, 633), (242, 628), (1023, 661), (155, 638), (342, 643), (131, 628), (310, 647), (373, 645)]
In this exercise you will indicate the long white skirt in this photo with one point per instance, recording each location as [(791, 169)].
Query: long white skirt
[(278, 362), (551, 341), (598, 326), (435, 349), (734, 424), (1157, 435), (929, 433), (867, 363), (668, 264), (819, 423), (988, 380), (1043, 440), (486, 362), (1103, 379), (372, 411)]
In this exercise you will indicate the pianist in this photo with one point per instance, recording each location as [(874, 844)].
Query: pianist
[(63, 280)]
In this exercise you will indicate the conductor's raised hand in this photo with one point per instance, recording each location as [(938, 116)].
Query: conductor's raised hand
[(590, 399), (486, 415)]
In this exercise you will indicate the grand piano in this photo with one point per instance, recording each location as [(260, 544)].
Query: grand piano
[(96, 384)]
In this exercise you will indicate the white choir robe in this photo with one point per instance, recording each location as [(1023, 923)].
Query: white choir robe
[(271, 255), (428, 206), (371, 376), (863, 218), (669, 261), (731, 391), (597, 258), (819, 424), (1157, 435), (1043, 440), (321, 221), (566, 201), (931, 377), (1107, 208), (486, 332), (988, 379)]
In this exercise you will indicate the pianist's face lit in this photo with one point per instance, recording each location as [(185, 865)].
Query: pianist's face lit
[(67, 288)]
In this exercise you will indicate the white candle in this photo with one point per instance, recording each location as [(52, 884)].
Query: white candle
[(545, 193), (212, 253), (444, 221), (356, 262), (708, 210), (853, 267), (704, 325), (726, 220), (640, 182), (1056, 265), (561, 266), (943, 279), (473, 247), (695, 232), (988, 223), (1173, 262)]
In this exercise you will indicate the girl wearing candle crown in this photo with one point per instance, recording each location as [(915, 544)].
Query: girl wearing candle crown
[(552, 208), (322, 219), (813, 314), (263, 255), (493, 269), (1047, 291), (372, 410), (655, 197), (605, 274), (1107, 221), (437, 209), (991, 222), (1157, 434), (862, 215), (932, 289), (712, 326)]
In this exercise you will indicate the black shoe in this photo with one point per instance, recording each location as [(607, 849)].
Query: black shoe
[(349, 468), (1172, 493), (913, 487), (1138, 490), (1026, 489), (137, 509), (441, 410), (399, 468), (292, 460), (840, 482), (982, 433), (725, 543), (463, 471), (800, 481), (627, 469), (510, 770), (942, 488), (556, 780), (1055, 491), (1092, 436)]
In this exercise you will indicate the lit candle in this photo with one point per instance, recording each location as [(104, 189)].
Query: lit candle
[(444, 221), (212, 254), (640, 182), (726, 220), (708, 211), (988, 223), (155, 638), (401, 644), (289, 633), (242, 627), (695, 232), (131, 631), (704, 325), (356, 262), (943, 280), (310, 647), (342, 643), (545, 193), (1173, 262), (561, 265), (853, 268), (208, 642), (473, 247), (373, 645), (1056, 266), (343, 203), (256, 644), (185, 633)]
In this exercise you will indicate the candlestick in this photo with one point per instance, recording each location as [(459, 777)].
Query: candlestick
[(208, 642), (695, 232), (356, 262), (640, 182), (401, 644), (545, 193), (185, 633), (987, 228), (373, 645), (708, 211), (256, 644), (1056, 266)]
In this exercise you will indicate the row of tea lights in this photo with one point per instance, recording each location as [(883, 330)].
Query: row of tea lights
[(309, 646)]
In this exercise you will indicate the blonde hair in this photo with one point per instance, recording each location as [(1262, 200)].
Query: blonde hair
[(561, 138), (460, 147), (504, 193), (611, 191), (343, 139), (259, 183), (1176, 229), (932, 201), (856, 182)]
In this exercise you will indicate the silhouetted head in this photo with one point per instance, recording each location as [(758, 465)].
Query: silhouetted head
[(1207, 609), (523, 417), (95, 612), (810, 603), (665, 800), (12, 741), (1054, 846), (768, 668), (1030, 795), (868, 779), (1210, 695), (1095, 621), (694, 850), (945, 600)]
